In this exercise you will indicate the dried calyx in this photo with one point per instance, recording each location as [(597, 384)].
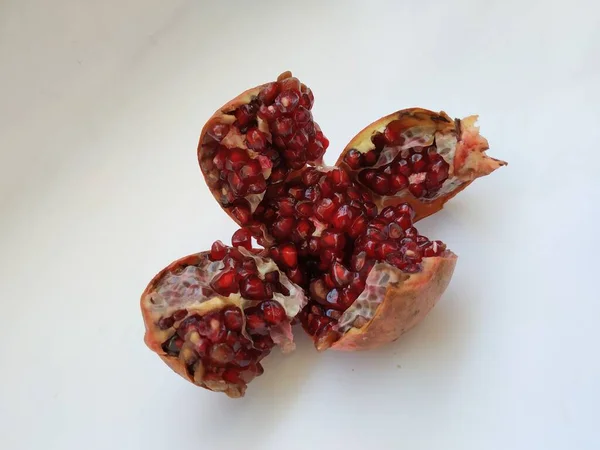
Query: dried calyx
[(341, 252)]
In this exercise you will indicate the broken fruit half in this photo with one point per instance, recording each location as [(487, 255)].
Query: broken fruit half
[(213, 316)]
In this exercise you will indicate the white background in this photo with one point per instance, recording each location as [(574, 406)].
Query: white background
[(101, 104)]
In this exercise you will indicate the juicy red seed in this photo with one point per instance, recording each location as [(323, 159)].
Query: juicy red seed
[(220, 158), (393, 132), (278, 174), (421, 241), (388, 212), (302, 115), (251, 169), (241, 212), (296, 276), (263, 343), (253, 288), (404, 221), (255, 324), (288, 255), (358, 261), (380, 183), (369, 248), (283, 227), (287, 100), (304, 209), (299, 141), (370, 158), (217, 251), (440, 169), (322, 139), (283, 126), (314, 245), (237, 185), (325, 186), (386, 248), (307, 99), (304, 229), (436, 248), (297, 192), (333, 239), (340, 179), (370, 208), (269, 113), (232, 376), (311, 177), (396, 260), (315, 150), (244, 114), (221, 354), (398, 182), (341, 276), (418, 190), (312, 194), (268, 93), (285, 206), (242, 238), (273, 312), (325, 209), (256, 139), (354, 159), (395, 231), (232, 317), (418, 162), (213, 329), (343, 217), (165, 323), (358, 227), (402, 167), (242, 358), (225, 283), (406, 209), (218, 131), (257, 185)]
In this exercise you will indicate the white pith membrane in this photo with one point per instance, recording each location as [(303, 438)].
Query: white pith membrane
[(188, 288), (365, 306)]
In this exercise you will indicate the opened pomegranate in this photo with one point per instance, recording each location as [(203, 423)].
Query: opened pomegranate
[(418, 156), (341, 252), (213, 316)]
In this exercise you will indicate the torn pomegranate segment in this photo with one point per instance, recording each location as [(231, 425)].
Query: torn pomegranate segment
[(349, 284), (213, 316), (256, 140), (418, 156)]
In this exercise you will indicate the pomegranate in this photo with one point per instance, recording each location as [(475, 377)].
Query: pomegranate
[(213, 316), (419, 157), (341, 253)]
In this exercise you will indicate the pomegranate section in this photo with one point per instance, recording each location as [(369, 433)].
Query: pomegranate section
[(256, 140), (213, 317), (347, 288), (418, 156)]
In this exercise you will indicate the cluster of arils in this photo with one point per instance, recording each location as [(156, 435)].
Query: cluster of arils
[(341, 253)]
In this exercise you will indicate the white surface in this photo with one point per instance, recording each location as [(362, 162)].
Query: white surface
[(101, 106)]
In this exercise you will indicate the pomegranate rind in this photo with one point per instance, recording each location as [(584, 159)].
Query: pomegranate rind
[(405, 304), (154, 337), (460, 137)]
